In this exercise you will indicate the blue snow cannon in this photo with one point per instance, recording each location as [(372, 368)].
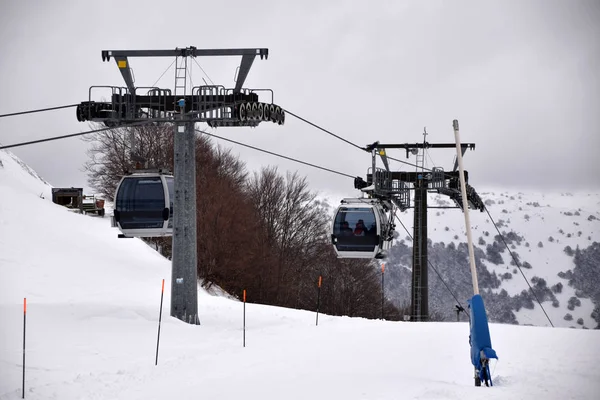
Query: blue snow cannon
[(480, 341)]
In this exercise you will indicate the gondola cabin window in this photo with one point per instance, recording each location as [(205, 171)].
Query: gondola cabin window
[(355, 221), (141, 194), (140, 202)]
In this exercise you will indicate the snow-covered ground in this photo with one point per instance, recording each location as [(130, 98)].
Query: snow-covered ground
[(570, 219), (92, 318)]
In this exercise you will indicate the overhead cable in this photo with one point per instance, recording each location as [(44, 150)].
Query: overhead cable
[(38, 110)]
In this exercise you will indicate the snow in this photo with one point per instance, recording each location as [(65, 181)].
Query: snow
[(546, 220), (92, 318)]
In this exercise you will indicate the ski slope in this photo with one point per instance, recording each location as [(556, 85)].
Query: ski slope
[(92, 318)]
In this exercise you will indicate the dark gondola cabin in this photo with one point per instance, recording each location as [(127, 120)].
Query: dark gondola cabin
[(144, 205), (357, 229)]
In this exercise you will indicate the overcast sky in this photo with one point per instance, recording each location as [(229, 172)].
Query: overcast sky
[(522, 78)]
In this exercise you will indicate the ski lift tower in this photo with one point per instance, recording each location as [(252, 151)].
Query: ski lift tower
[(396, 186), (214, 104)]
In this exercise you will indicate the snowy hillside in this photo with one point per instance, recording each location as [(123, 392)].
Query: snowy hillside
[(543, 231), (18, 176), (92, 318)]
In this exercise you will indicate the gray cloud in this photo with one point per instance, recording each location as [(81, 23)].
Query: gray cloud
[(520, 76)]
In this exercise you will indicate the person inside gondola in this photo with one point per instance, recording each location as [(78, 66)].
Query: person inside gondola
[(372, 231), (360, 229), (345, 229)]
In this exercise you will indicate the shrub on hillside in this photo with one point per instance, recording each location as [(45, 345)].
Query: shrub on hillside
[(569, 251), (568, 317), (493, 255), (557, 288), (573, 302)]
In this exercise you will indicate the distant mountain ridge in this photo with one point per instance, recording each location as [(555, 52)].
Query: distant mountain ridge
[(554, 237)]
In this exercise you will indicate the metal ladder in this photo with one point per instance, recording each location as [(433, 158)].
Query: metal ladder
[(180, 77)]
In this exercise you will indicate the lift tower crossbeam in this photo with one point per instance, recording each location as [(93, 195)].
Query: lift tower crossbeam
[(248, 55)]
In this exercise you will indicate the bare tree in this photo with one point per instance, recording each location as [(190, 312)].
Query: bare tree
[(110, 154), (291, 222)]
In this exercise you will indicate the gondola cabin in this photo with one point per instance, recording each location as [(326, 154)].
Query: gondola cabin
[(144, 204), (360, 228)]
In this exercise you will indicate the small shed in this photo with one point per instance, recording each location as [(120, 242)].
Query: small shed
[(69, 197)]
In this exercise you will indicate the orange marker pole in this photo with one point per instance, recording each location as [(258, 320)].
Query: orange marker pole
[(162, 293), (244, 317), (382, 288), (319, 297), (24, 329)]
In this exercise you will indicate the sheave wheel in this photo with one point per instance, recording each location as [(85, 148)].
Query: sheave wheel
[(242, 112)]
